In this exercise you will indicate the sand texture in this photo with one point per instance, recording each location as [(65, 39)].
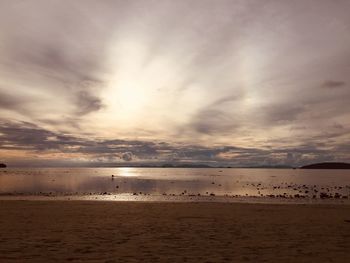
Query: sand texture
[(84, 231)]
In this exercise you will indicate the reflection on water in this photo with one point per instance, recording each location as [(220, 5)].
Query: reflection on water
[(177, 182), (126, 172)]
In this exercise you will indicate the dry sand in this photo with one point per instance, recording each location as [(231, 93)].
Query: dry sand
[(84, 231)]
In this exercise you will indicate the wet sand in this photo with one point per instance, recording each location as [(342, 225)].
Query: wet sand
[(86, 231)]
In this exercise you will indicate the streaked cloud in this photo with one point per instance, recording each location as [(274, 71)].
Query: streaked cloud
[(331, 84), (59, 148), (82, 78)]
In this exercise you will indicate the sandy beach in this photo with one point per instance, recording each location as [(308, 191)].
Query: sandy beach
[(85, 231)]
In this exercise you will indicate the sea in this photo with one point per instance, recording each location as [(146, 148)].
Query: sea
[(177, 184)]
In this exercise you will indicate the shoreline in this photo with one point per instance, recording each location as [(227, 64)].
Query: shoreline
[(176, 199)]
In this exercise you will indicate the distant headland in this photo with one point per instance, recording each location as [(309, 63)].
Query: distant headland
[(2, 165), (327, 165)]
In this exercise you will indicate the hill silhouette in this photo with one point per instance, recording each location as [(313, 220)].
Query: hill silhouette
[(2, 165), (327, 165)]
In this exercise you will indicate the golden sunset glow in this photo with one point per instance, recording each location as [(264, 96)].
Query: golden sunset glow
[(221, 82)]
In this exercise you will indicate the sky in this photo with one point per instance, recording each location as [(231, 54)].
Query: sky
[(236, 82)]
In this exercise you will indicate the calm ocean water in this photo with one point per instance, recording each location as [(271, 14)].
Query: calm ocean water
[(183, 182)]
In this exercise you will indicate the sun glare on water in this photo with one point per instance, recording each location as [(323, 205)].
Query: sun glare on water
[(126, 172)]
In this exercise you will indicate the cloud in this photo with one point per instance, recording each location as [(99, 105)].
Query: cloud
[(253, 75), (281, 113), (211, 121), (217, 117), (67, 148), (10, 102), (28, 136), (333, 84), (128, 156), (53, 59), (87, 102)]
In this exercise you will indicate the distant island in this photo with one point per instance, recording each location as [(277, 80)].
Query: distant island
[(190, 165), (278, 166), (166, 165), (327, 165), (2, 165), (182, 165)]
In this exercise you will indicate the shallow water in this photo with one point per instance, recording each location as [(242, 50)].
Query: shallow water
[(176, 182)]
